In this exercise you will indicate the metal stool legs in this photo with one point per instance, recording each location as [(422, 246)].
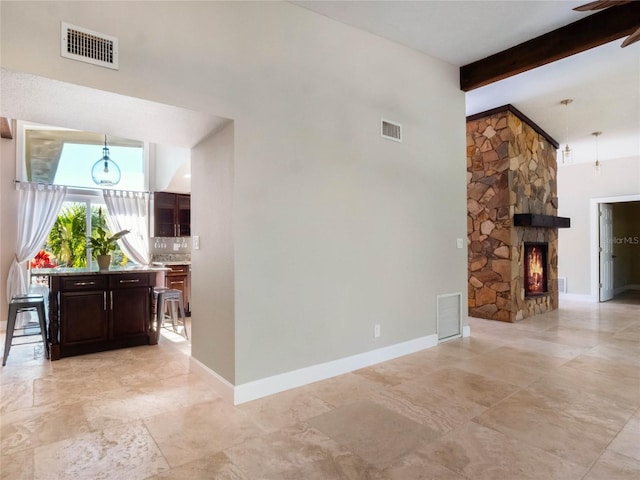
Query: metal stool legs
[(20, 304), (172, 298), (177, 306)]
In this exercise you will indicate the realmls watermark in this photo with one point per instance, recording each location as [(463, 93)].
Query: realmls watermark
[(626, 240)]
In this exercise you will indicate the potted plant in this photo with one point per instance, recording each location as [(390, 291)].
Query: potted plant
[(102, 244)]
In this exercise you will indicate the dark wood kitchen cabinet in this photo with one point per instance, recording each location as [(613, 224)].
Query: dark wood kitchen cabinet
[(129, 306), (88, 306), (172, 214), (92, 313)]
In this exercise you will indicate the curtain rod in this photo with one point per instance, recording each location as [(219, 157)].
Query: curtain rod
[(73, 188)]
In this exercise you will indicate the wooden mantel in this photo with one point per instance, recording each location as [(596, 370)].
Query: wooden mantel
[(542, 221)]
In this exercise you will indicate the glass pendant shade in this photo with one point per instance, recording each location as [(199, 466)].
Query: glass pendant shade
[(105, 172), (596, 166), (567, 155)]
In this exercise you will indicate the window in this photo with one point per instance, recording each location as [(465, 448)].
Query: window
[(76, 160), (66, 245), (65, 157)]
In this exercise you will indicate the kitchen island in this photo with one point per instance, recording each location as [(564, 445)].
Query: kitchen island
[(93, 310)]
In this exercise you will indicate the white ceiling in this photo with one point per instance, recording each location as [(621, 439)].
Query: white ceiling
[(604, 82), (456, 31)]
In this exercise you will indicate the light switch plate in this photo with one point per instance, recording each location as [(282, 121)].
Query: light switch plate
[(195, 242), (460, 243)]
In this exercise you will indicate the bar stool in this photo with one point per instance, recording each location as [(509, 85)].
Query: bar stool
[(172, 298), (21, 304)]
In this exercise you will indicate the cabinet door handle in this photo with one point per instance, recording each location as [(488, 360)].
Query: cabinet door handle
[(104, 300), (111, 299), (176, 283), (82, 284), (130, 281), (179, 234)]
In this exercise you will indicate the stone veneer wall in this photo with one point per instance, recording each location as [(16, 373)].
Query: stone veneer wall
[(511, 168)]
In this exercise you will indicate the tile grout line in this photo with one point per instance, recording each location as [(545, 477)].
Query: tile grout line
[(604, 450)]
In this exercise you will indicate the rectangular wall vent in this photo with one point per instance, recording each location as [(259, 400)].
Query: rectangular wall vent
[(85, 45), (391, 131), (562, 284), (448, 316)]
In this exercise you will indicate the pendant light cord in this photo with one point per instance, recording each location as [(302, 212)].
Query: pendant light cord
[(566, 153)]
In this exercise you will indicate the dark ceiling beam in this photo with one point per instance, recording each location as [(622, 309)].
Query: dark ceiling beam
[(592, 31)]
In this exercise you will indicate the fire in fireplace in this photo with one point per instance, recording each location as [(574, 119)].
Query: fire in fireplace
[(535, 268)]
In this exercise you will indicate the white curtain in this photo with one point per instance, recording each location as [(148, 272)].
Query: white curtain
[(130, 211), (38, 207)]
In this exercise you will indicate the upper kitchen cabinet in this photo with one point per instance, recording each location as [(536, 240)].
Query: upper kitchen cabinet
[(172, 214)]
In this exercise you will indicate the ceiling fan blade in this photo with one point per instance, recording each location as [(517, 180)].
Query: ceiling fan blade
[(633, 38), (599, 5)]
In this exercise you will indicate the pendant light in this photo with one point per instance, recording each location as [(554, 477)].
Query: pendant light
[(105, 172), (596, 165), (567, 154)]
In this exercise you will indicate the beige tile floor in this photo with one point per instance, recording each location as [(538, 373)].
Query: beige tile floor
[(555, 396)]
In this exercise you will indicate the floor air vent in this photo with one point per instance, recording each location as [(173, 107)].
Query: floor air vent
[(448, 316), (562, 284), (391, 131), (81, 44)]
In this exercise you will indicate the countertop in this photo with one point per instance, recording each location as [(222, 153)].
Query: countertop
[(173, 262), (171, 259), (114, 270)]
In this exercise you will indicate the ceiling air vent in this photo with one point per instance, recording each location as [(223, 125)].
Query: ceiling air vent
[(88, 46), (391, 131)]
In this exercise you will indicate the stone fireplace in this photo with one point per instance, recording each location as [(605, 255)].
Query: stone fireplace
[(511, 216)]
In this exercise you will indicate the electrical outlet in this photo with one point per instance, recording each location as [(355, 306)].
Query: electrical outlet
[(195, 242), (376, 330)]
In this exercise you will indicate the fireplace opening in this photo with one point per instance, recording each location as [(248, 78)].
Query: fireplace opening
[(535, 269)]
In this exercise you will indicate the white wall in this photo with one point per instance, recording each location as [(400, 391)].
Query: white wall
[(170, 165), (334, 228), (577, 186), (8, 218), (214, 345)]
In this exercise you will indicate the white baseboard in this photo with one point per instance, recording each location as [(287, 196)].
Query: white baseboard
[(218, 383), (626, 288), (296, 378), (466, 331), (578, 297)]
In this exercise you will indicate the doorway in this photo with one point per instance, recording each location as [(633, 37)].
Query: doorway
[(615, 252)]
